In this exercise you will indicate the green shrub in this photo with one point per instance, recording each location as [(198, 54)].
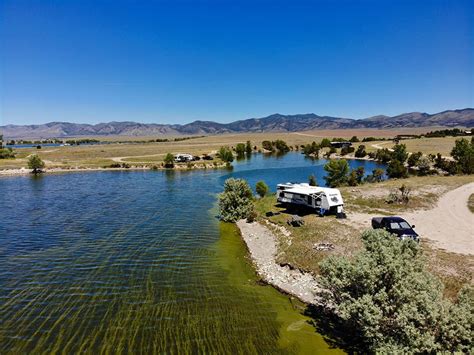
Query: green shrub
[(312, 150), (261, 188), (400, 153), (463, 154), (360, 152), (414, 158), (376, 176), (236, 202), (356, 176), (337, 171), (248, 148), (312, 180), (396, 169), (7, 153), (225, 154), (35, 163), (325, 143), (389, 303), (240, 150), (267, 145), (169, 161)]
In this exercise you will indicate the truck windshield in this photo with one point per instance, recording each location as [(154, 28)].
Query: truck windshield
[(399, 225)]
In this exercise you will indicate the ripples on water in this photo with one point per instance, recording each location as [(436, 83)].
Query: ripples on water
[(136, 262)]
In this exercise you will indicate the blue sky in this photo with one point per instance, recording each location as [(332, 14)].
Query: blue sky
[(179, 61)]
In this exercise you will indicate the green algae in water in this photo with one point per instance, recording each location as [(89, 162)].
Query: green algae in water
[(296, 334)]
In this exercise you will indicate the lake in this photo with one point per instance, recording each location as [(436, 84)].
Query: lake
[(136, 261)]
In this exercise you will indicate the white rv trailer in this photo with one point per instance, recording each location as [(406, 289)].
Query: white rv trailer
[(322, 199), (183, 158)]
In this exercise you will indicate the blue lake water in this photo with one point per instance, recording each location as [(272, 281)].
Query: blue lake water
[(135, 261)]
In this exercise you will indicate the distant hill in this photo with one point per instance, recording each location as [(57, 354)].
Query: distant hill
[(272, 123)]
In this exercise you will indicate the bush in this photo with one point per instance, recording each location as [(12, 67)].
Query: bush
[(423, 164), (35, 163), (7, 153), (463, 154), (396, 169), (356, 176), (236, 202), (387, 302), (337, 171), (261, 188), (248, 148), (376, 176), (325, 143), (225, 154), (383, 155), (414, 158), (400, 153), (281, 146), (312, 150), (240, 150), (312, 180), (360, 152), (354, 139), (267, 145), (169, 161), (346, 150)]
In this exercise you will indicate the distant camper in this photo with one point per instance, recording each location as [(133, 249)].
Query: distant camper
[(183, 158), (321, 199), (341, 144)]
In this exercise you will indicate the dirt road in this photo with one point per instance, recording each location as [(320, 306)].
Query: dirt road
[(449, 225)]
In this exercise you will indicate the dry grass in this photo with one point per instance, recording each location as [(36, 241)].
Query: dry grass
[(297, 250), (152, 153), (425, 191)]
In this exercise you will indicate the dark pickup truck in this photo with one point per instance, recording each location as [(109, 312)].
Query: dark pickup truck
[(395, 225)]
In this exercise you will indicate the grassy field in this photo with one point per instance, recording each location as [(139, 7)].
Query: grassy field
[(298, 249), (148, 154)]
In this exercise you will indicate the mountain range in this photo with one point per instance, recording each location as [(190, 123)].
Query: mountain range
[(273, 123)]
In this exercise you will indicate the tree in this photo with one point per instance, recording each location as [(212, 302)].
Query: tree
[(376, 176), (387, 302), (325, 143), (312, 180), (354, 139), (236, 202), (240, 150), (413, 159), (396, 169), (35, 163), (312, 150), (356, 176), (360, 152), (400, 153), (267, 145), (248, 148), (383, 155), (225, 154), (423, 164), (463, 154), (261, 188), (281, 146), (337, 171), (169, 161)]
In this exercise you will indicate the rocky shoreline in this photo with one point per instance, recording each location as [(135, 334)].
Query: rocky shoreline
[(262, 246)]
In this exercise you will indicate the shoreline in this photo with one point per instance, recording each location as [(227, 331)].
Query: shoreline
[(262, 246), (25, 171)]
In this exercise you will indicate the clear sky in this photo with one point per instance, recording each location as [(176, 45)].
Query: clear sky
[(179, 61)]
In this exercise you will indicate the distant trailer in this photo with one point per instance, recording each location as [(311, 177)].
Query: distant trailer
[(341, 144), (183, 158), (321, 199)]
